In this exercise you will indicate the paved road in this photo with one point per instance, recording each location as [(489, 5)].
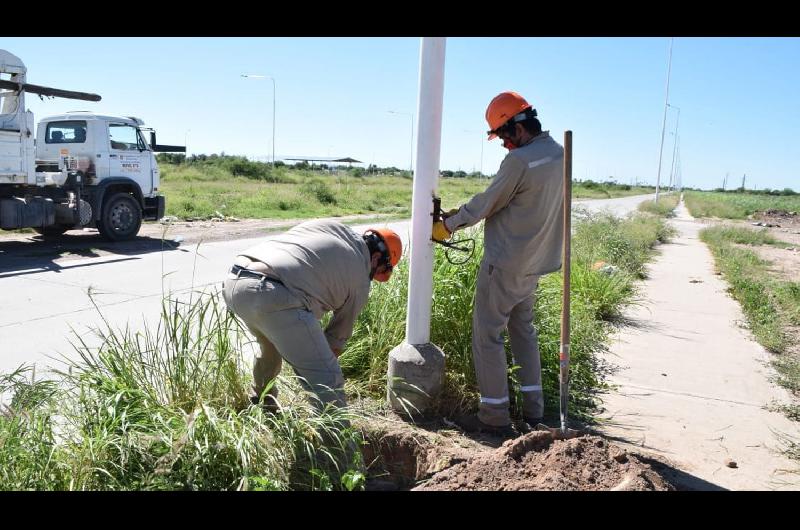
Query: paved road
[(46, 303)]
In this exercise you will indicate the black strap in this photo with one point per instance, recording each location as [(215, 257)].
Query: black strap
[(240, 271)]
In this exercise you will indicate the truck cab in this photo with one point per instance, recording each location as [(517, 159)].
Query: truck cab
[(112, 152), (114, 147)]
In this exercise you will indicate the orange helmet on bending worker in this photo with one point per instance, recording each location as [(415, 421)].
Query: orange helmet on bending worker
[(503, 108), (391, 247)]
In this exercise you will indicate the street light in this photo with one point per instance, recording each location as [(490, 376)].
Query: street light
[(664, 123), (411, 163), (256, 76), (675, 144)]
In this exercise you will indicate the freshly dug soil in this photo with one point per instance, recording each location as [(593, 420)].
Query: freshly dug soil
[(536, 462), (403, 457)]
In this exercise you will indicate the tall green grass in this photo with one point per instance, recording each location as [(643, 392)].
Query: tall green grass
[(770, 304), (664, 207), (168, 409)]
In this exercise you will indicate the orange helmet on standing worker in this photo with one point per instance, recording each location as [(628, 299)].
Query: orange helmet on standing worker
[(391, 247), (504, 107)]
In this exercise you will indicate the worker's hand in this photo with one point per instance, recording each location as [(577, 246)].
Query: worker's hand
[(337, 352), (449, 213), (440, 231)]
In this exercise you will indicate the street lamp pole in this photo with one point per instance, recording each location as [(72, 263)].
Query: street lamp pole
[(411, 162), (664, 124), (274, 90), (675, 144)]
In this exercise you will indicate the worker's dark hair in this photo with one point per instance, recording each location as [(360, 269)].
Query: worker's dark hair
[(375, 244), (529, 121), (533, 126)]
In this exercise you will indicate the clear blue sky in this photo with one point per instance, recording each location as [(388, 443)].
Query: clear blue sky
[(739, 98)]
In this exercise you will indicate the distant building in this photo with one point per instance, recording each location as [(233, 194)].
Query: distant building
[(324, 159)]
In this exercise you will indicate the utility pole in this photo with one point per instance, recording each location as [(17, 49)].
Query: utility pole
[(743, 177), (664, 123), (724, 181), (675, 143)]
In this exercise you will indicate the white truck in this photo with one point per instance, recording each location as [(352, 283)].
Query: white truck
[(82, 169)]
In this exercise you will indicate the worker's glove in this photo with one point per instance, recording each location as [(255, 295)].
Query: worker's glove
[(449, 213), (440, 231)]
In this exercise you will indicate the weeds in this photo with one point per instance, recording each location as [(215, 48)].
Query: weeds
[(168, 409)]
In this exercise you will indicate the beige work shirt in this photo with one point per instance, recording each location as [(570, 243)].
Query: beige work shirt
[(523, 209), (326, 265)]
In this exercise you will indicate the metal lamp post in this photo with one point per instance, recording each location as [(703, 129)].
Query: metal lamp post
[(675, 144)]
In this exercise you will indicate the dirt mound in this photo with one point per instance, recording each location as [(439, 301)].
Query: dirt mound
[(536, 462), (402, 457)]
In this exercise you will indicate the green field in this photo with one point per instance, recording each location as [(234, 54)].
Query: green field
[(737, 205), (256, 191)]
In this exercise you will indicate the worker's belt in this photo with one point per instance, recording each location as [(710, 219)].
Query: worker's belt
[(240, 272)]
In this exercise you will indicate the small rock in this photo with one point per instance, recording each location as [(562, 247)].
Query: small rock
[(695, 281), (731, 463), (621, 457), (665, 375)]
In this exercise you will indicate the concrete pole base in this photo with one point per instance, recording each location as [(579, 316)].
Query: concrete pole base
[(415, 376)]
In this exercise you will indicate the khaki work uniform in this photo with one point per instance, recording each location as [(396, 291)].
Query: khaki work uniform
[(315, 267), (522, 238)]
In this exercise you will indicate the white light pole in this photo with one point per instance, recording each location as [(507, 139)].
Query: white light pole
[(186, 144), (274, 90), (416, 366), (664, 124), (411, 162), (675, 143)]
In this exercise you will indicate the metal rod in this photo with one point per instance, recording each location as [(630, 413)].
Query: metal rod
[(47, 91), (564, 352)]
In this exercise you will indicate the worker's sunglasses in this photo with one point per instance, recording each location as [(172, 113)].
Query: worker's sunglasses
[(504, 131)]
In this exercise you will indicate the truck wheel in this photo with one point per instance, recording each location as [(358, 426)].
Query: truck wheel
[(52, 231), (121, 218)]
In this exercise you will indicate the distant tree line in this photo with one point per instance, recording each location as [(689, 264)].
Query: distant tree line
[(765, 191)]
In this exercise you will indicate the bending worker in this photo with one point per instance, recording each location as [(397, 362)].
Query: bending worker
[(522, 237), (282, 287)]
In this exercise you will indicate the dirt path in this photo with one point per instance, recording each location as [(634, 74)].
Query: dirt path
[(694, 386)]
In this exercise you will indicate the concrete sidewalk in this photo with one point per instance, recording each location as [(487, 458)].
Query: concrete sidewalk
[(693, 386)]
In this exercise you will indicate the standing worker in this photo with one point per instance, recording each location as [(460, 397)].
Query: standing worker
[(522, 241), (282, 287)]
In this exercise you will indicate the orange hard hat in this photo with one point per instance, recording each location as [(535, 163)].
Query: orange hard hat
[(502, 108), (391, 247)]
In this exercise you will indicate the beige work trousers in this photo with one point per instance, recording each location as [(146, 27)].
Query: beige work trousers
[(504, 300), (285, 329)]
